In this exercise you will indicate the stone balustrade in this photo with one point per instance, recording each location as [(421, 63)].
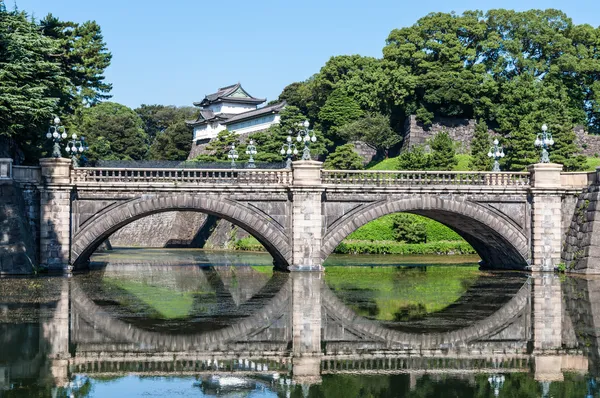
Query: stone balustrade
[(404, 178), (27, 174), (96, 175)]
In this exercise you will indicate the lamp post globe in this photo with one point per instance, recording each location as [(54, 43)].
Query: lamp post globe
[(56, 133), (288, 149), (251, 151), (76, 146), (304, 135), (544, 140), (233, 155), (496, 152)]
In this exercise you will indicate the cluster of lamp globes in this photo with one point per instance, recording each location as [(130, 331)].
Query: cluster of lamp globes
[(73, 146), (544, 139), (496, 151)]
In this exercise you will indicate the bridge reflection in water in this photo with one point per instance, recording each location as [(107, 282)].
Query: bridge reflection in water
[(253, 328)]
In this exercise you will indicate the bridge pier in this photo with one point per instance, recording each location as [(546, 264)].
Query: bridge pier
[(546, 222), (55, 214), (307, 217)]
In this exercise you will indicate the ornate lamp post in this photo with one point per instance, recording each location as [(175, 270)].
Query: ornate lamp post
[(287, 149), (233, 155), (496, 382), (76, 147), (545, 141), (497, 152), (251, 151), (304, 135), (56, 133)]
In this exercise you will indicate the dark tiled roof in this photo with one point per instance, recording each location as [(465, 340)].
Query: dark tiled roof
[(224, 92), (275, 108), (207, 116)]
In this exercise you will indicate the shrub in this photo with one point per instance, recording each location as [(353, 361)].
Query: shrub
[(408, 229)]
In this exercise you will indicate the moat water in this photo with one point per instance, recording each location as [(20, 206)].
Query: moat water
[(191, 323)]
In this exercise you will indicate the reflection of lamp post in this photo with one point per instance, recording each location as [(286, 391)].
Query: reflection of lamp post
[(56, 133), (545, 141), (251, 150), (291, 149), (497, 152), (304, 135), (77, 146), (233, 155), (496, 382)]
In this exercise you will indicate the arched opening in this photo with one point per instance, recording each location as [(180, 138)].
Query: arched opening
[(98, 228), (500, 243)]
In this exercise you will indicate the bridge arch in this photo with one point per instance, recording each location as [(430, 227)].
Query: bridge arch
[(99, 227), (498, 241)]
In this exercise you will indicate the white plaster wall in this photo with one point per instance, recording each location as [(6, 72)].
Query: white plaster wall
[(257, 127), (207, 131), (235, 108)]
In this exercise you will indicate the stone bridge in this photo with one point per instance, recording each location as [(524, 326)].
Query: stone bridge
[(514, 220)]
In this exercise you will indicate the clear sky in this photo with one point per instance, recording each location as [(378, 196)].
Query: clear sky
[(175, 52)]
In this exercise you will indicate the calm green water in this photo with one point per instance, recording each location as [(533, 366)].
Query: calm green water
[(195, 323)]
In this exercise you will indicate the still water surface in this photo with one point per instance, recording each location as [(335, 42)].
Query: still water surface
[(194, 323)]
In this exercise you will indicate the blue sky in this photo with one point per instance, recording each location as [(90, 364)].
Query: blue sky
[(174, 52)]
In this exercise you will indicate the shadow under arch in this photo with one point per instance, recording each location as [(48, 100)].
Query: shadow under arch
[(498, 241), (378, 331), (276, 292), (100, 226)]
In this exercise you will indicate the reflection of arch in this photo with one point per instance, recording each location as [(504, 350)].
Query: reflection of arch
[(375, 331), (99, 227), (124, 332), (497, 240)]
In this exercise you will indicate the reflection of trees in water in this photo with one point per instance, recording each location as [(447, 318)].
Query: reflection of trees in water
[(410, 312)]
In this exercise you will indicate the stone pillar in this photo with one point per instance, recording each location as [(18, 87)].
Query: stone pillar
[(547, 327), (306, 326), (6, 169), (306, 216), (546, 225), (55, 214)]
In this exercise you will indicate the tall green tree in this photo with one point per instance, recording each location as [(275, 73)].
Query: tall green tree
[(157, 118), (443, 154), (480, 146), (173, 143), (338, 110), (120, 126), (32, 84), (83, 57), (374, 129)]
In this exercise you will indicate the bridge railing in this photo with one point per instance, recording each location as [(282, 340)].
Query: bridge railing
[(406, 178), (95, 175)]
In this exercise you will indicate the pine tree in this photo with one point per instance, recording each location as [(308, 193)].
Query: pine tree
[(414, 159), (480, 146), (220, 146), (443, 154), (344, 158)]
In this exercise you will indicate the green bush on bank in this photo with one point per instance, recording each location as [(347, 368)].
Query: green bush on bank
[(393, 247), (248, 244), (382, 229)]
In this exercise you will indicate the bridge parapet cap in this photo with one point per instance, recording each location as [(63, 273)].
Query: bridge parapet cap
[(307, 172), (545, 175), (6, 169), (56, 170)]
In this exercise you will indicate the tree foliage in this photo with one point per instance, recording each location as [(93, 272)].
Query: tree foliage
[(407, 229), (344, 158), (443, 154), (374, 129), (120, 126), (47, 69), (219, 147), (480, 146), (513, 69)]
